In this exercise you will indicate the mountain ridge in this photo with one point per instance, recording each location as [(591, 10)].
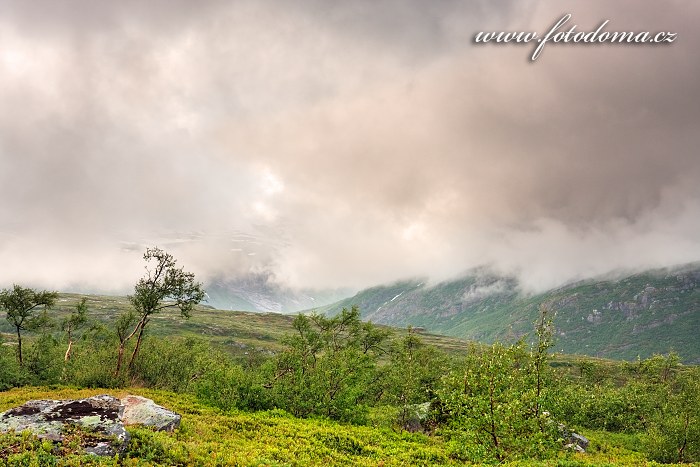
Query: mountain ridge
[(618, 315)]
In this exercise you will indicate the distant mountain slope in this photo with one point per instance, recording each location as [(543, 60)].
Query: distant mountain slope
[(638, 315), (259, 292)]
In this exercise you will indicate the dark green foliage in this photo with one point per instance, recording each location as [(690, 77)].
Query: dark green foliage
[(341, 443), (222, 387), (411, 378), (44, 360), (328, 367), (92, 361), (9, 367), (604, 407), (238, 383), (602, 398), (192, 365), (172, 364), (656, 397), (674, 429)]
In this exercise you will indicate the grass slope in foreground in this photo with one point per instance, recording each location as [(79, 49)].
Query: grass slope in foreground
[(211, 437)]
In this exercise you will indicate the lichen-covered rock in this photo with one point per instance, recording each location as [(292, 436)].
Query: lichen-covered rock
[(98, 415), (141, 411)]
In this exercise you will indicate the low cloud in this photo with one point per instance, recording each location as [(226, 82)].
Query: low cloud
[(342, 145)]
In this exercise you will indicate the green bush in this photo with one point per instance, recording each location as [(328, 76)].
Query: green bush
[(328, 368), (491, 405), (92, 363), (674, 431), (228, 386), (172, 364), (411, 378), (625, 409), (43, 361), (9, 369)]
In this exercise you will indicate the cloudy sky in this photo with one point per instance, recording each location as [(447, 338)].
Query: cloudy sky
[(343, 143)]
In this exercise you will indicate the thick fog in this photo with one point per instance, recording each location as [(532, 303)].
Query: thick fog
[(343, 143)]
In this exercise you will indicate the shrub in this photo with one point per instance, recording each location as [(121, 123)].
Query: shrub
[(43, 361), (172, 364), (328, 367), (491, 407), (9, 368), (674, 431)]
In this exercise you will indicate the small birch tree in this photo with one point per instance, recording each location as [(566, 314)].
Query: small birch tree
[(21, 303), (163, 286)]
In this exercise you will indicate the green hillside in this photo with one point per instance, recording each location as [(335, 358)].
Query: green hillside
[(237, 332), (623, 318)]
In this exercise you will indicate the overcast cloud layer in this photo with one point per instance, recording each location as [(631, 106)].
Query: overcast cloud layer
[(357, 142)]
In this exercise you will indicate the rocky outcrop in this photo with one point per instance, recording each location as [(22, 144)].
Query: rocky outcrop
[(99, 415), (141, 411), (102, 419)]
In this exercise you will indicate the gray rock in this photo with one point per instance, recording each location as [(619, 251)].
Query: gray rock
[(579, 440), (574, 447), (104, 417), (141, 411), (99, 415), (572, 440)]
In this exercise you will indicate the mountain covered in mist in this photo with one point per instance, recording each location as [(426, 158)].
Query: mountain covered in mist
[(260, 292), (624, 317)]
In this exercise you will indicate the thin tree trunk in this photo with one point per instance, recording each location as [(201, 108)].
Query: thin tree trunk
[(70, 346), (19, 346), (494, 436), (685, 438), (122, 345), (120, 357), (142, 324)]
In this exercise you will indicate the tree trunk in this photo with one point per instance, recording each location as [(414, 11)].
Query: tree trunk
[(120, 357), (494, 435), (19, 346), (141, 325), (685, 439), (70, 346)]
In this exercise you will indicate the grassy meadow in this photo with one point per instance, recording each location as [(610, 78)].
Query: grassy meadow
[(208, 436)]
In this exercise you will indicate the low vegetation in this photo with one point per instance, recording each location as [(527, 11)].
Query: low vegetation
[(337, 391)]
